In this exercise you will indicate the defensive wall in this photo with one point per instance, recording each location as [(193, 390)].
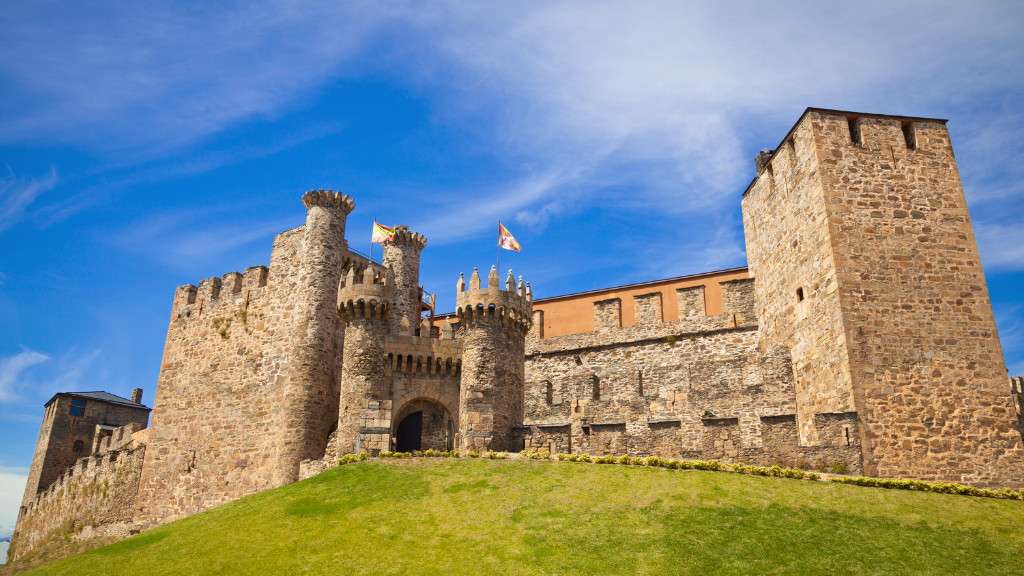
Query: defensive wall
[(867, 269), (93, 497), (694, 387)]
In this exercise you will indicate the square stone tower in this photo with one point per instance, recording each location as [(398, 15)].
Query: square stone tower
[(867, 268)]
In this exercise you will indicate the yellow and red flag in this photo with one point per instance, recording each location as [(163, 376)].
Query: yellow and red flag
[(382, 233), (506, 240)]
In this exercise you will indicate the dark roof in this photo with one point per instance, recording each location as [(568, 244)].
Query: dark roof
[(904, 120), (101, 396)]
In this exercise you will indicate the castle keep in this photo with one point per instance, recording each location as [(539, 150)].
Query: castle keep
[(861, 339)]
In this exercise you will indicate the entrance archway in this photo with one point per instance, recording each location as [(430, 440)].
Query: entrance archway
[(423, 424)]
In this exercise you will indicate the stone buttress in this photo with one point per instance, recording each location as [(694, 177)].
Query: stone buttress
[(495, 325), (364, 415)]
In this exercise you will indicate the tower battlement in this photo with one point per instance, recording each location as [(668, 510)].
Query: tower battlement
[(328, 198), (511, 306), (404, 236), (367, 299)]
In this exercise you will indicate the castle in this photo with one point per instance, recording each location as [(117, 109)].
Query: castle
[(861, 338)]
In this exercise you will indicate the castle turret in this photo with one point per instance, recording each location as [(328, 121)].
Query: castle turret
[(402, 254), (364, 415), (306, 418), (495, 324)]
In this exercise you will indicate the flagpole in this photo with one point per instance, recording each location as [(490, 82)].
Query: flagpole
[(498, 251), (371, 239)]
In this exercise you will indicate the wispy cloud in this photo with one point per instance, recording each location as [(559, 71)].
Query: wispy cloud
[(191, 238), (11, 369), (18, 192), (1001, 246), (12, 488), (20, 381)]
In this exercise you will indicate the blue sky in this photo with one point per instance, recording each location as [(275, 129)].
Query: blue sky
[(149, 145)]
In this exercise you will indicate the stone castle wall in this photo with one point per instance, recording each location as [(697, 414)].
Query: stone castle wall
[(868, 214), (60, 431), (94, 497), (695, 388), (219, 417)]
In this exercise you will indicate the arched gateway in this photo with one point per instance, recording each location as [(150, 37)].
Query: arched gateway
[(423, 424)]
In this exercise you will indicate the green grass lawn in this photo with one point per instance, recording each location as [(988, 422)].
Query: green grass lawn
[(434, 516)]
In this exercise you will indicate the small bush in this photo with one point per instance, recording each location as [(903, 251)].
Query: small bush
[(562, 456), (605, 460), (839, 467), (473, 454), (624, 459), (583, 457), (813, 476)]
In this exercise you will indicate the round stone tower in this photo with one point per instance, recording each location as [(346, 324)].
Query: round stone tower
[(364, 414), (306, 419), (495, 323), (402, 254)]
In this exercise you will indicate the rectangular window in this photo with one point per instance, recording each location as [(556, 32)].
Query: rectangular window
[(77, 408)]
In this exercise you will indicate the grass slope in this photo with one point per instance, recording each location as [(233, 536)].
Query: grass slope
[(428, 516)]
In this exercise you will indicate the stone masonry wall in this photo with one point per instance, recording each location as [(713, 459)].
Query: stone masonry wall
[(905, 320), (657, 388), (789, 252), (60, 431), (95, 497)]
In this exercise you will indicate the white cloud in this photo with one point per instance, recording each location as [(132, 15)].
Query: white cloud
[(12, 488), (1001, 246), (11, 369), (17, 193), (19, 381)]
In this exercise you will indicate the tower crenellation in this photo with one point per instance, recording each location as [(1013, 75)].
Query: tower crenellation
[(364, 413), (495, 323)]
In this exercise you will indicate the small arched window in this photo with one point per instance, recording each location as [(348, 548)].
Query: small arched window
[(799, 294), (549, 392), (78, 447), (597, 386), (640, 381)]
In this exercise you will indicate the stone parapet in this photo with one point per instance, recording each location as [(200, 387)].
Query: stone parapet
[(328, 199), (365, 300), (95, 497), (492, 304), (423, 356)]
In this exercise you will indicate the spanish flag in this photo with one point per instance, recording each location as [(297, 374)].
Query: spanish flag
[(382, 233), (505, 239)]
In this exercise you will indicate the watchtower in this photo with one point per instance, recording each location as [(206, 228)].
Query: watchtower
[(495, 325), (71, 422), (312, 373), (364, 415), (867, 268), (402, 254)]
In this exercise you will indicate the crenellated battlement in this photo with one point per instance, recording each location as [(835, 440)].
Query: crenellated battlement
[(230, 284), (328, 198), (404, 236), (512, 306), (366, 299)]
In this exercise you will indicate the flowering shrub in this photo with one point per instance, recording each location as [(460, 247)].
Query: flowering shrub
[(562, 456), (473, 454), (940, 487)]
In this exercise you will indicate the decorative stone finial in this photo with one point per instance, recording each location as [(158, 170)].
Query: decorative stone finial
[(406, 326), (492, 278), (510, 282), (529, 293), (474, 280), (460, 286), (446, 330), (521, 288), (425, 327), (368, 275), (350, 278)]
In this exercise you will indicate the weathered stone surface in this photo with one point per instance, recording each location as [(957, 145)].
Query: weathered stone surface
[(867, 268)]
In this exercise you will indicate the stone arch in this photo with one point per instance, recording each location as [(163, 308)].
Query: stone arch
[(436, 425)]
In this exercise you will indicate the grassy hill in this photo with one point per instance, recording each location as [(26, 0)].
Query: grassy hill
[(433, 516)]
